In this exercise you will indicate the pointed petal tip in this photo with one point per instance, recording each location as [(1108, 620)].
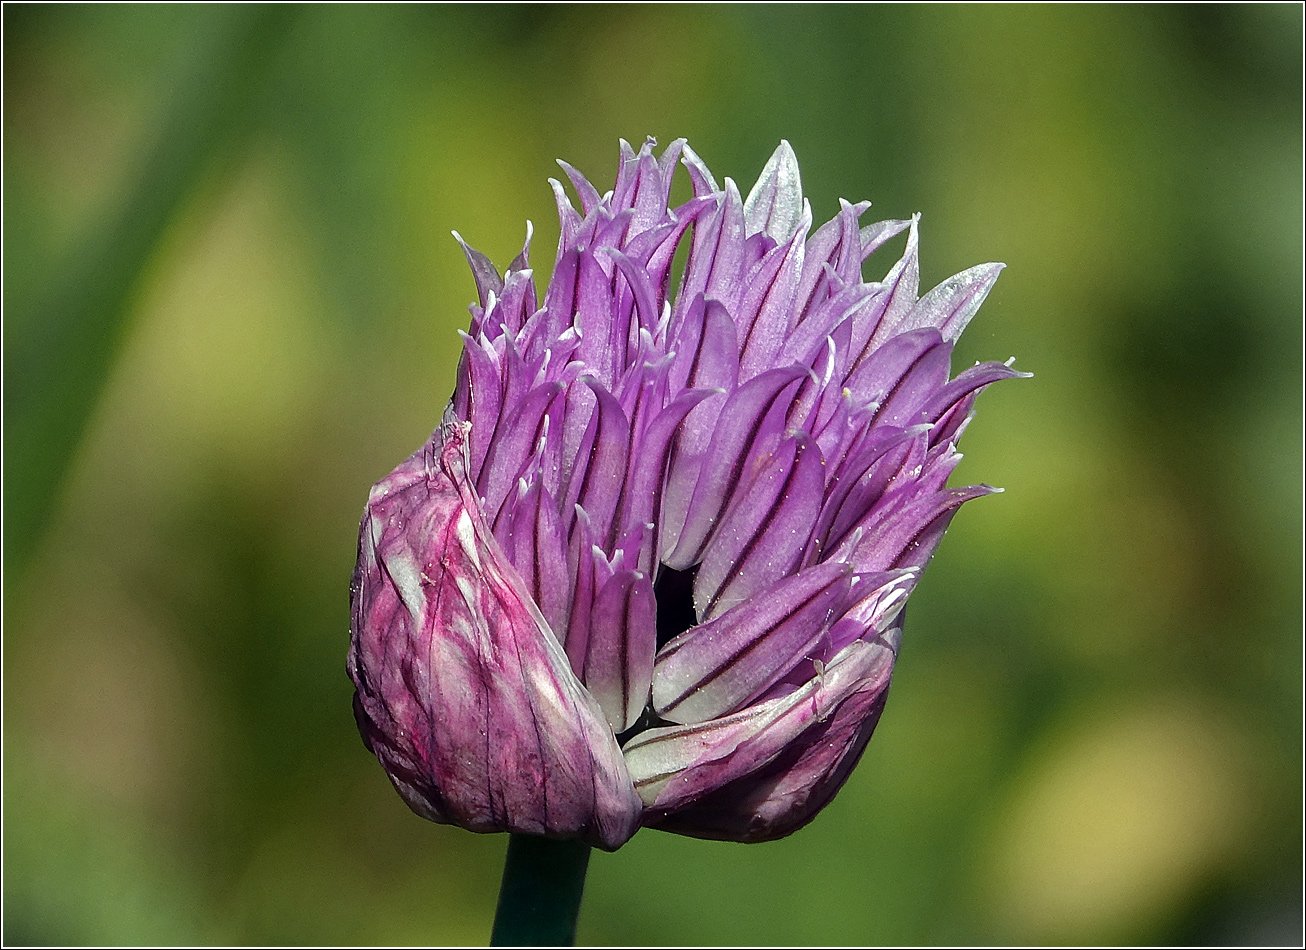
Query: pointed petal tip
[(774, 205), (1009, 363)]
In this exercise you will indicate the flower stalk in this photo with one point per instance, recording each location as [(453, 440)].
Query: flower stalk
[(539, 900)]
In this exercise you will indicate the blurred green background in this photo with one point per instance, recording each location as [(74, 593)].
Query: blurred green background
[(230, 301)]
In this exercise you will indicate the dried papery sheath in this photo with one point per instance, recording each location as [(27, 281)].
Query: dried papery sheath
[(651, 567)]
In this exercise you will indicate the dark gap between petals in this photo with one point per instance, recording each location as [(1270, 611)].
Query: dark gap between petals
[(648, 719), (674, 592)]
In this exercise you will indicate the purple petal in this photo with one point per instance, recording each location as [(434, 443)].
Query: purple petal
[(533, 539), (642, 288), (775, 204), (578, 410), (789, 791), (763, 535), (902, 284), (664, 242), (675, 766), (862, 475), (904, 404), (714, 669), (831, 424), (667, 162), (906, 534), (848, 255), (705, 357), (766, 310), (727, 265), (627, 172), (878, 377), (874, 236), (898, 467), (699, 175), (738, 428), (648, 466), (878, 600), (588, 194), (585, 584), (653, 187), (953, 422), (512, 446), (564, 287), (706, 354), (814, 282), (967, 382), (569, 221), (622, 641), (517, 302), (834, 250), (479, 397), (463, 692), (809, 336), (488, 281), (594, 317), (522, 261), (950, 306), (716, 254), (600, 466)]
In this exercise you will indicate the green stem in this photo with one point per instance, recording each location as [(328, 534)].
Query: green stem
[(539, 900)]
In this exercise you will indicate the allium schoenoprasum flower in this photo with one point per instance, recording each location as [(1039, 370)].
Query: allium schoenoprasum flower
[(651, 567)]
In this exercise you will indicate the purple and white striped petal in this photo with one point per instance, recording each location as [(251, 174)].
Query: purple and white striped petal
[(765, 311), (788, 792), (715, 267), (488, 281), (874, 236), (714, 669), (588, 194), (950, 306), (533, 539), (675, 766), (622, 641), (966, 383), (596, 476), (906, 535), (699, 174), (511, 448), (462, 690), (762, 537), (775, 204), (642, 500), (737, 430), (902, 285)]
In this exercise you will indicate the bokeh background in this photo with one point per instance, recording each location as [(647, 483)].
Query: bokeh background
[(230, 302)]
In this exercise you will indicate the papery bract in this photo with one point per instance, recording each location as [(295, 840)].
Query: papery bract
[(651, 567)]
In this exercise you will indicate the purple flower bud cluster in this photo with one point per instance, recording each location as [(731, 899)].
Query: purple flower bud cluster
[(650, 570)]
